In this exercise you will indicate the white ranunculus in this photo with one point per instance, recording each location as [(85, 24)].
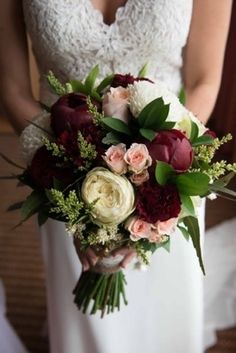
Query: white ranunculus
[(31, 137), (114, 193), (141, 93)]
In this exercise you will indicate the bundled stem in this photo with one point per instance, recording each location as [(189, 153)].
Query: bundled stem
[(100, 292)]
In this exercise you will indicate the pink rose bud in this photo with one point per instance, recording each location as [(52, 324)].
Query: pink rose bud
[(167, 227), (137, 157), (114, 158), (154, 236), (138, 228), (139, 179), (115, 104)]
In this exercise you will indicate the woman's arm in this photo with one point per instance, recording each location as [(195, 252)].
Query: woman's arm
[(15, 89), (204, 55)]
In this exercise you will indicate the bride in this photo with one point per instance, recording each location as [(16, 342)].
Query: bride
[(183, 41)]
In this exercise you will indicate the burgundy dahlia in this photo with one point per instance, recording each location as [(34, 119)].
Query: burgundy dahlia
[(172, 147), (157, 203), (44, 168), (125, 80)]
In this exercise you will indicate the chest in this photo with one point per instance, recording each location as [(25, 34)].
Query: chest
[(86, 26)]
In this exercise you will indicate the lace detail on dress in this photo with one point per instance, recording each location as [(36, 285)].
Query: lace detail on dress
[(70, 37)]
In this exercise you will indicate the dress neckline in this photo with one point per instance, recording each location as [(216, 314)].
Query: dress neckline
[(119, 11)]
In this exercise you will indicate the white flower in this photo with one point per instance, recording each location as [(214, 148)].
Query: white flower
[(143, 92), (31, 137), (212, 196), (185, 126), (114, 194)]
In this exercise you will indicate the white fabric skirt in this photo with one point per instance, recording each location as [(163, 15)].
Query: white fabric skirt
[(165, 310)]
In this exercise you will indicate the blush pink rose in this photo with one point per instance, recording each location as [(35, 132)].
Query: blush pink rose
[(137, 157), (167, 227), (115, 104), (138, 228), (114, 158), (139, 179), (154, 236)]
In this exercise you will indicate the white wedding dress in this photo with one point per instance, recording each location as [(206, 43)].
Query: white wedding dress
[(164, 314)]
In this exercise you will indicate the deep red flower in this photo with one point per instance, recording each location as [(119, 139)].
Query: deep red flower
[(157, 203), (210, 133), (125, 80), (44, 167), (172, 147), (70, 112)]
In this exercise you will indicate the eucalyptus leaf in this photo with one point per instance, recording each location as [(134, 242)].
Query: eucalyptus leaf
[(116, 125), (147, 133), (162, 172), (192, 184), (91, 78), (193, 229)]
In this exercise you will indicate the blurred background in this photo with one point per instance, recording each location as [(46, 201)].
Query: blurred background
[(21, 268)]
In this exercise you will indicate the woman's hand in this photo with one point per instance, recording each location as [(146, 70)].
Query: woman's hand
[(128, 254), (88, 258)]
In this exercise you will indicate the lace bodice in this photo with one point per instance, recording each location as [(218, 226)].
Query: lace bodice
[(70, 37)]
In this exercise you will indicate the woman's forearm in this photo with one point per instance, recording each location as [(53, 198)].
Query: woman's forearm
[(201, 100), (19, 109)]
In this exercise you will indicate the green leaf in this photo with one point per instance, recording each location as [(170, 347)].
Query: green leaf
[(193, 229), (32, 204), (96, 96), (147, 133), (143, 71), (91, 78), (116, 125), (162, 172), (203, 140), (15, 206), (192, 184), (187, 205), (166, 245), (221, 190), (154, 114), (182, 96), (78, 86), (111, 139), (184, 232), (168, 125), (42, 218), (194, 131), (105, 83)]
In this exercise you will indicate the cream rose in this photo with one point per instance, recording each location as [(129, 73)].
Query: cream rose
[(115, 103), (114, 194), (137, 157), (114, 158)]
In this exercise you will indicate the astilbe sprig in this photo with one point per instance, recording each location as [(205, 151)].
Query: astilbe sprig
[(93, 110)]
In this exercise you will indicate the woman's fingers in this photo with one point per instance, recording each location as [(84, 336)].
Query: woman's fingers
[(87, 258), (128, 254), (127, 259)]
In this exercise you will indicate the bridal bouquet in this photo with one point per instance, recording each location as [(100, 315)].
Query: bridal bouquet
[(122, 163)]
